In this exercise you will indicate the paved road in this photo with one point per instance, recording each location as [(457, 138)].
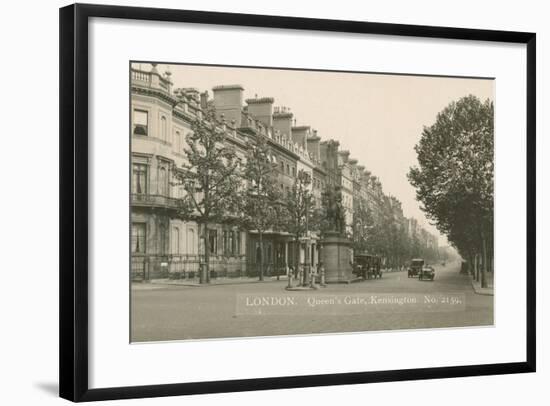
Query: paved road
[(178, 312)]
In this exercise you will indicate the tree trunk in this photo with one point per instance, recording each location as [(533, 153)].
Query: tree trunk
[(484, 267), (476, 264), (297, 258), (261, 269), (492, 257), (205, 270), (305, 276)]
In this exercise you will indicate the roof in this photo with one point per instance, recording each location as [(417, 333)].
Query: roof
[(227, 87)]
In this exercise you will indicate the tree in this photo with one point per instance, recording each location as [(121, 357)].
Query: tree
[(260, 208), (299, 213), (362, 228), (211, 178), (454, 179)]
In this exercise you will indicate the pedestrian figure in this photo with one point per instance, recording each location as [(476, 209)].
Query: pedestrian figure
[(312, 276), (290, 273)]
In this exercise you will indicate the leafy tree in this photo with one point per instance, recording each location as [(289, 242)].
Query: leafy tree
[(362, 228), (261, 202), (299, 213), (454, 179), (211, 178)]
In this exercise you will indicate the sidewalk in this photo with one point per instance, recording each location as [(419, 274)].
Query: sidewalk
[(488, 291), (215, 281)]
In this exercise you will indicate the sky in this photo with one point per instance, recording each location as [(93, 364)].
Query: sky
[(377, 117)]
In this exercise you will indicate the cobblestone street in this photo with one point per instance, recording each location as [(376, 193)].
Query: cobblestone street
[(160, 313)]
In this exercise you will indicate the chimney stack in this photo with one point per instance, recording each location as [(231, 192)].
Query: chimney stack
[(282, 120), (228, 100), (329, 156), (300, 135), (314, 145), (343, 157), (261, 109)]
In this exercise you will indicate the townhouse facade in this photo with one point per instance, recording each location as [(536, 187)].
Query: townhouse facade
[(162, 243)]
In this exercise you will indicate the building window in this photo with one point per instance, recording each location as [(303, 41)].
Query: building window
[(232, 242), (293, 171), (287, 169), (162, 239), (163, 128), (141, 122), (139, 178), (176, 242), (237, 243), (177, 141), (213, 241), (225, 242), (282, 167), (191, 241), (163, 182), (138, 238)]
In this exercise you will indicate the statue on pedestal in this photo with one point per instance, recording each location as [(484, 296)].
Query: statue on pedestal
[(335, 254), (335, 217)]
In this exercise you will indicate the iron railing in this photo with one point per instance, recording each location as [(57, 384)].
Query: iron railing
[(146, 267)]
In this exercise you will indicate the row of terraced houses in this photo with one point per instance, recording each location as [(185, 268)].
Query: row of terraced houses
[(164, 245)]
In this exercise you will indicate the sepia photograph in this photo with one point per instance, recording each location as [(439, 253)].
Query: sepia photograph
[(275, 201)]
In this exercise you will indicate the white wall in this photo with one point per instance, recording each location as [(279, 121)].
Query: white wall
[(28, 297)]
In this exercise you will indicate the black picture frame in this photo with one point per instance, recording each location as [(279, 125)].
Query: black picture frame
[(73, 281)]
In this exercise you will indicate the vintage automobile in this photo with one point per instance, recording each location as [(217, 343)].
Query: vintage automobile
[(367, 266), (427, 273), (415, 267)]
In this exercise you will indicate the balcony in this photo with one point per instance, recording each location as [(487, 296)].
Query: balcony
[(143, 200), (150, 79)]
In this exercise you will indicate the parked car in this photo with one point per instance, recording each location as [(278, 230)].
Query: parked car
[(415, 267), (427, 273)]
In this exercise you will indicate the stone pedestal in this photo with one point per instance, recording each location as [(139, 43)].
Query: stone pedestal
[(336, 258)]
